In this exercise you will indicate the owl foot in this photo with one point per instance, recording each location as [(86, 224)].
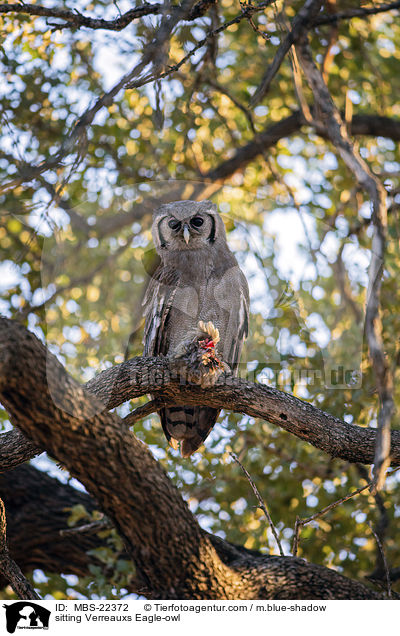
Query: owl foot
[(173, 443)]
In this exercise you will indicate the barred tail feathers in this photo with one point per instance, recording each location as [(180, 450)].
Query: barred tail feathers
[(188, 424)]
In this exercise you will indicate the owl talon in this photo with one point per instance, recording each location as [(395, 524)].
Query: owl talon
[(174, 443)]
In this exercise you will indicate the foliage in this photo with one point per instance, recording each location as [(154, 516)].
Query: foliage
[(75, 242)]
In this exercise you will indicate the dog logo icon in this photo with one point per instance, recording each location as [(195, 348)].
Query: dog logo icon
[(26, 615)]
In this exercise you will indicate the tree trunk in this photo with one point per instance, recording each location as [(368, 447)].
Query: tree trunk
[(173, 556)]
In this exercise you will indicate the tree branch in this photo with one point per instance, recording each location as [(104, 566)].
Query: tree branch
[(302, 522), (357, 12), (261, 503), (373, 125), (330, 119), (75, 19), (15, 449), (160, 377), (301, 23), (38, 508), (174, 557)]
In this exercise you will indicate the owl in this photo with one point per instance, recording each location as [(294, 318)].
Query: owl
[(197, 298)]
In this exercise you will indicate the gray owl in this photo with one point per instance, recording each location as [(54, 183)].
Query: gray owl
[(198, 281)]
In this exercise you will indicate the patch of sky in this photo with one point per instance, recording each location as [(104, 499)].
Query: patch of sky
[(319, 331), (391, 166), (291, 232), (330, 246), (360, 517), (261, 111), (357, 262), (45, 465), (228, 58), (342, 226), (10, 275), (239, 506), (72, 334), (354, 96)]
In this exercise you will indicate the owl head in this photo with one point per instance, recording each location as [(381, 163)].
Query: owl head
[(187, 225)]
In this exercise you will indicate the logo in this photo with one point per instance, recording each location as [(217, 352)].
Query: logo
[(26, 615)]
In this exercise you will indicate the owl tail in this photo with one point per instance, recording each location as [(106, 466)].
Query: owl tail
[(188, 424)]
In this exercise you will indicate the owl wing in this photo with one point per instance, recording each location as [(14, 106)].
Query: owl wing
[(191, 424), (232, 295), (239, 319), (157, 303)]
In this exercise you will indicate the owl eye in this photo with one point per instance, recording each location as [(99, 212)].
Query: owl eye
[(197, 221), (174, 224)]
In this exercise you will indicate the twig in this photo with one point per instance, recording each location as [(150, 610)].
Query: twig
[(385, 565), (260, 502), (72, 142), (299, 523), (246, 12), (88, 528), (300, 23), (380, 526), (143, 411)]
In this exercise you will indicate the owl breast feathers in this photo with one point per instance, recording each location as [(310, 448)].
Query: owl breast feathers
[(197, 281)]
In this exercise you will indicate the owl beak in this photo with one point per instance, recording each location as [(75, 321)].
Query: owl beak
[(186, 233)]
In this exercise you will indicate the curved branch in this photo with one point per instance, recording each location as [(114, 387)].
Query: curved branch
[(15, 449), (330, 119), (38, 508), (160, 377), (174, 557), (363, 124), (76, 20)]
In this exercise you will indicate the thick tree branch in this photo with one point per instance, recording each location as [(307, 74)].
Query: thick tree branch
[(173, 556), (373, 125), (159, 377), (329, 118), (15, 449), (74, 19), (357, 12), (38, 508)]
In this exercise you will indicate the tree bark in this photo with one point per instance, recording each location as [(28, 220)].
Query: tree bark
[(174, 557)]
